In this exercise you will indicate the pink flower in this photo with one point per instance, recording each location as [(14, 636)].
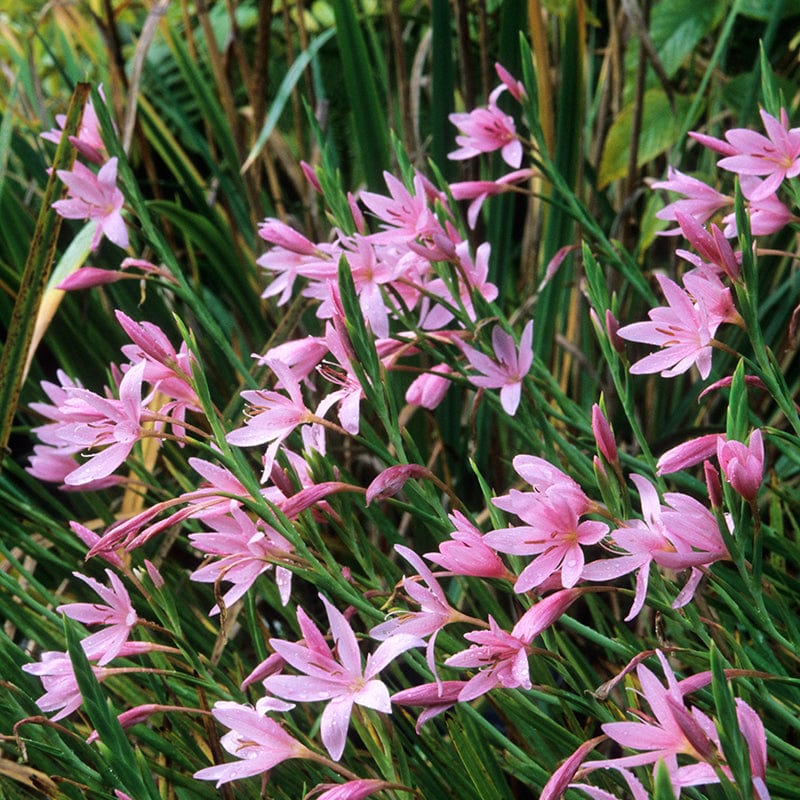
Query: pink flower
[(392, 479), (478, 191), (510, 366), (435, 612), (343, 682), (712, 246), (701, 201), (89, 141), (95, 197), (672, 729), (503, 656), (351, 790), (428, 390), (118, 615), (436, 698), (115, 425), (57, 675), (272, 416), (682, 329), (743, 465), (682, 535), (485, 130), (776, 155), (259, 742), (406, 217), (245, 550), (466, 552), (555, 534), (688, 453)]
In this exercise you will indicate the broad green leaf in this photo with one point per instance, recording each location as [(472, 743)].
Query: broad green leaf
[(765, 9), (677, 26), (659, 131)]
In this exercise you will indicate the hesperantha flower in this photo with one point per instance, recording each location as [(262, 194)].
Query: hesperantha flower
[(507, 370), (339, 678), (681, 535), (484, 130), (57, 675), (701, 201), (775, 156), (272, 416), (682, 329), (115, 425), (556, 538), (97, 198), (89, 141), (743, 465), (502, 656), (664, 731), (117, 615), (245, 549), (435, 612), (466, 552), (257, 741)]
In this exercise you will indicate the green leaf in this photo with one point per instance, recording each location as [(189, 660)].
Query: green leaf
[(677, 26), (660, 130), (371, 132), (663, 785), (733, 744), (37, 271), (477, 759), (120, 770), (284, 93)]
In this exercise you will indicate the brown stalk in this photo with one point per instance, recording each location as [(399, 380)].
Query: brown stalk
[(401, 76)]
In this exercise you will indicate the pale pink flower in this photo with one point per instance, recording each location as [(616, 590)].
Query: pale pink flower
[(672, 729), (405, 216), (95, 197), (57, 675), (436, 698), (556, 537), (108, 423), (473, 277), (392, 479), (503, 656), (89, 141), (509, 367), (689, 453), (701, 201), (479, 191), (272, 416), (245, 549), (681, 535), (343, 680), (429, 389), (711, 245), (683, 331), (766, 215), (515, 88), (776, 155), (118, 615), (356, 789), (435, 612), (257, 741), (485, 130), (466, 552), (545, 479), (743, 465)]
